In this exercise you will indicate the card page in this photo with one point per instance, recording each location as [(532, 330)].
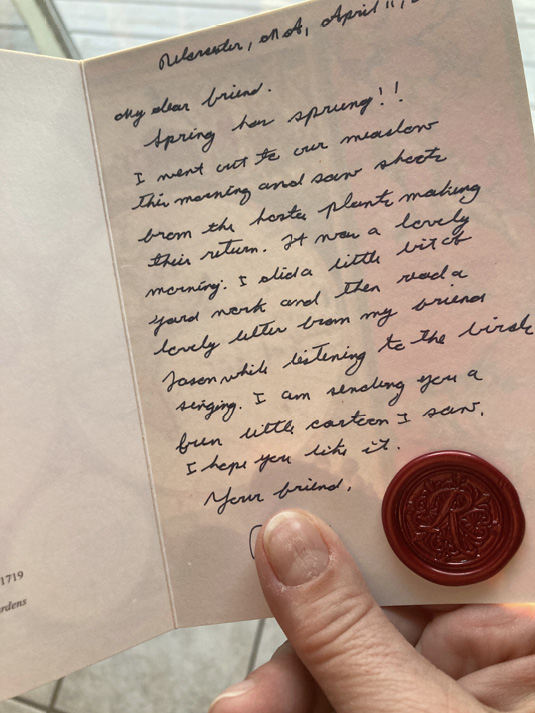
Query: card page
[(81, 569), (322, 219)]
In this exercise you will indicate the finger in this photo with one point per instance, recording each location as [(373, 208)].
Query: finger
[(319, 598), (508, 686), (478, 636), (283, 685), (409, 621)]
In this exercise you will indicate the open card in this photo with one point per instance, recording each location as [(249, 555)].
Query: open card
[(260, 266)]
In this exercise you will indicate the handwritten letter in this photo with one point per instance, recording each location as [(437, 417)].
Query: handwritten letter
[(322, 220)]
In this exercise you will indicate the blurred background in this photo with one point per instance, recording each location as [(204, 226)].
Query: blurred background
[(86, 28), (180, 672)]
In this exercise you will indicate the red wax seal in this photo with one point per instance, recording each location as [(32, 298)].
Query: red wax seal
[(452, 518)]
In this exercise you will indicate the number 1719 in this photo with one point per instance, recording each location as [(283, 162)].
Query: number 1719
[(12, 577)]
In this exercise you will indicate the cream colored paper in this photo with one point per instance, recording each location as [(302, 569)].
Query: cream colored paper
[(76, 512), (185, 131), (399, 79)]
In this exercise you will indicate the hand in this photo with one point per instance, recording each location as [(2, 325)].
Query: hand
[(347, 655)]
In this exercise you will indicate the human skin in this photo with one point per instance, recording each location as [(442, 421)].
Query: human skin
[(346, 654)]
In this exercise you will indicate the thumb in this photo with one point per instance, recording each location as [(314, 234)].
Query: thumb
[(320, 600)]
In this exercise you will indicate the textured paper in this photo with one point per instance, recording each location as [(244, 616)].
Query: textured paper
[(395, 67), (76, 512)]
